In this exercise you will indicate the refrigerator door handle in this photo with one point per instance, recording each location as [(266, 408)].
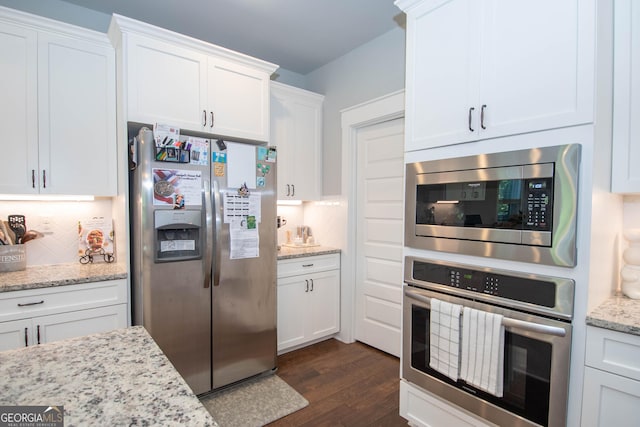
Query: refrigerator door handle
[(209, 236), (217, 214)]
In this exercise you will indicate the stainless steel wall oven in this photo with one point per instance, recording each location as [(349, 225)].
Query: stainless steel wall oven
[(519, 205), (537, 313)]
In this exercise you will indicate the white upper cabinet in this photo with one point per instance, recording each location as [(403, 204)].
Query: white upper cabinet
[(479, 69), (626, 98), (174, 79), (59, 114), (296, 131)]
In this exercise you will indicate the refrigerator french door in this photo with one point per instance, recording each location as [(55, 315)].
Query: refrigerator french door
[(203, 254)]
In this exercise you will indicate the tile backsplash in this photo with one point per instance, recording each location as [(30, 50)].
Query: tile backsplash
[(59, 223)]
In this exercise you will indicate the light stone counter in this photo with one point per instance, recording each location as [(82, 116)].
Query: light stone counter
[(44, 276), (620, 314), (288, 252), (117, 378)]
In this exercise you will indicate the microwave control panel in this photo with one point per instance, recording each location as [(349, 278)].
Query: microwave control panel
[(539, 207)]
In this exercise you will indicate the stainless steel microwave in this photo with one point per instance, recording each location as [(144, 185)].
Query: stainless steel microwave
[(518, 205)]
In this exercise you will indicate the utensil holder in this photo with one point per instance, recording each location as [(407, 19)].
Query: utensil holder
[(13, 258)]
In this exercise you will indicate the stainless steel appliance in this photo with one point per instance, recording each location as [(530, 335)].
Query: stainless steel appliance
[(203, 254), (519, 205), (537, 314)]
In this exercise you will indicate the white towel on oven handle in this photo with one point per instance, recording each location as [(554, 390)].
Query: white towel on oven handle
[(444, 338), (482, 359)]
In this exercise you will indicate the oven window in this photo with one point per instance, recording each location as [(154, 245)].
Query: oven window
[(527, 370), (518, 204)]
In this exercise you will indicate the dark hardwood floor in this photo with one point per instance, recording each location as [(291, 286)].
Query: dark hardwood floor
[(347, 385)]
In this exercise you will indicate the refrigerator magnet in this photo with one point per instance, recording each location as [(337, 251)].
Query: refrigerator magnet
[(260, 181), (218, 169)]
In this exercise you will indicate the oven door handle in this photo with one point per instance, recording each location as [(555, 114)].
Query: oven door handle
[(506, 321)]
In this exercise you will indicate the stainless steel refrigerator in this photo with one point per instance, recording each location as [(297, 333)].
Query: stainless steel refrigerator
[(203, 253)]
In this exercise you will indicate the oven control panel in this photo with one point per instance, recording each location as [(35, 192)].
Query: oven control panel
[(516, 288), (539, 208)]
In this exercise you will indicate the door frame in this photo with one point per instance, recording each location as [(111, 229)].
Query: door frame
[(378, 110)]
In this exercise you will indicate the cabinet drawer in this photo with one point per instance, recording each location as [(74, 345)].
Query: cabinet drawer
[(38, 302), (614, 352), (310, 264)]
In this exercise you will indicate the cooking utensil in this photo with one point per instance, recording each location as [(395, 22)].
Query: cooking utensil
[(18, 225), (31, 235), (9, 233), (4, 236)]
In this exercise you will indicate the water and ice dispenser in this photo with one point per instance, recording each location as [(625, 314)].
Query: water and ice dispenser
[(177, 235)]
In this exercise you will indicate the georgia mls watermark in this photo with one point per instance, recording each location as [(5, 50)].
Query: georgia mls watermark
[(31, 416)]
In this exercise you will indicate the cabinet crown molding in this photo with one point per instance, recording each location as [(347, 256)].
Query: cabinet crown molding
[(39, 23), (121, 25)]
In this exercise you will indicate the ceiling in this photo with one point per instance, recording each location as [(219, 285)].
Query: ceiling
[(298, 35)]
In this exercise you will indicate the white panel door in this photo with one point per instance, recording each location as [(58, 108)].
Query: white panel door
[(537, 65), (79, 323), (380, 204), (15, 334), (77, 112), (19, 111)]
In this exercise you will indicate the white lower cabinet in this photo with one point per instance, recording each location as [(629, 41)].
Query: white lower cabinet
[(43, 315), (308, 300), (611, 394), (422, 409)]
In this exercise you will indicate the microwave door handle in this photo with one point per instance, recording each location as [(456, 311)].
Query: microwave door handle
[(506, 321)]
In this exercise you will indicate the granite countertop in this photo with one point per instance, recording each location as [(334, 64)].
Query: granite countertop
[(618, 313), (114, 378), (44, 276), (288, 252)]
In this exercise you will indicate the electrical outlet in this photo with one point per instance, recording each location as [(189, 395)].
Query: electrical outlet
[(46, 225)]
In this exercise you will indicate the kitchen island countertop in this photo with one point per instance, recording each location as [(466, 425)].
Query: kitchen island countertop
[(618, 313), (288, 252), (113, 378), (45, 276)]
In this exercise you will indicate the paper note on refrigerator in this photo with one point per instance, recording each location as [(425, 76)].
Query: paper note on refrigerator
[(239, 207), (241, 165), (245, 238)]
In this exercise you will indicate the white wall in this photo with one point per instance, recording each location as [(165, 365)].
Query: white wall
[(370, 71), (62, 11)]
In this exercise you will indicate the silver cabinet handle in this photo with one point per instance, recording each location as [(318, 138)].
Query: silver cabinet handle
[(470, 118), (30, 303), (482, 116)]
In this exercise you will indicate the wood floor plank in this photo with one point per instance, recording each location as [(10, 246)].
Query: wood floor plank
[(348, 385)]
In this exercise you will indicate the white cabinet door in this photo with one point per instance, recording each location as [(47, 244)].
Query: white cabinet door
[(166, 83), (537, 66), (609, 400), (292, 312), (238, 99), (443, 52), (79, 323), (296, 131), (625, 173), (77, 116), (19, 109), (15, 334), (324, 295), (483, 69)]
